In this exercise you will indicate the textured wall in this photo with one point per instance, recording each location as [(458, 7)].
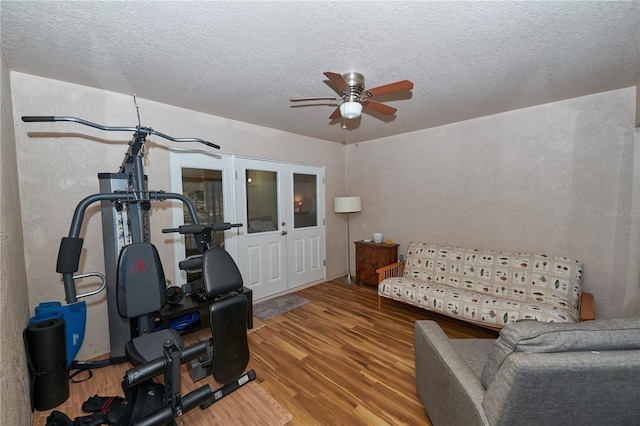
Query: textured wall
[(59, 163), (15, 407), (560, 178)]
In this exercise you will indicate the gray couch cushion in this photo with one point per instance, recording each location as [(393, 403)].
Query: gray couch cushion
[(540, 337), (584, 388), (474, 351)]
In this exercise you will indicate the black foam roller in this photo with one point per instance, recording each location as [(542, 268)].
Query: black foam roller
[(46, 350)]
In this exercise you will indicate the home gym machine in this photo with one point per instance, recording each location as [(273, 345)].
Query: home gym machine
[(125, 204)]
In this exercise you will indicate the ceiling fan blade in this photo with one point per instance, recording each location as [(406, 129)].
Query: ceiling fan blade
[(338, 80), (379, 107), (335, 114), (398, 86), (323, 98)]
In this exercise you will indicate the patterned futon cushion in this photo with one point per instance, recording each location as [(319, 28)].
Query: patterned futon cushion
[(486, 286), (471, 305)]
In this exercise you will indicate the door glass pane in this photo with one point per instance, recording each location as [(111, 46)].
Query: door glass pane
[(304, 200), (204, 188), (262, 201)]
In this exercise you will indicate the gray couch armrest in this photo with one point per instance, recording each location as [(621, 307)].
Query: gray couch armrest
[(450, 390)]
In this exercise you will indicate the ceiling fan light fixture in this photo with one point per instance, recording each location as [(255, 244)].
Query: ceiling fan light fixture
[(351, 109)]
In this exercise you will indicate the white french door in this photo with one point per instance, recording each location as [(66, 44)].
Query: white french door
[(305, 235), (282, 208), (262, 248)]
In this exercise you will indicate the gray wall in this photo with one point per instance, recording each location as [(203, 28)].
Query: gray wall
[(560, 178), (15, 407)]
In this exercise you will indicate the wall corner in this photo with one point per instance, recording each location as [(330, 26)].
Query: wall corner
[(637, 124)]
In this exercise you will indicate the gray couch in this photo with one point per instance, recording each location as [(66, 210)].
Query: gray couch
[(535, 373)]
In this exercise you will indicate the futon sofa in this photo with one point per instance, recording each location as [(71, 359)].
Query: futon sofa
[(486, 287), (535, 373)]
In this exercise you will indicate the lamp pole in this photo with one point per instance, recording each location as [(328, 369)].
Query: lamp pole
[(349, 281), (347, 205)]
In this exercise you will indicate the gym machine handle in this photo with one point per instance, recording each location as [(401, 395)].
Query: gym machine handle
[(191, 264), (67, 264), (91, 274), (31, 119), (197, 229), (138, 129), (202, 233)]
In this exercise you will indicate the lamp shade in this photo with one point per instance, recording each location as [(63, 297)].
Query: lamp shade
[(347, 204), (351, 109)]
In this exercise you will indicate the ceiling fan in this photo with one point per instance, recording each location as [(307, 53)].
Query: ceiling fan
[(350, 87)]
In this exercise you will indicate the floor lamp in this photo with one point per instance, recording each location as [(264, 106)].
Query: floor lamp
[(347, 205)]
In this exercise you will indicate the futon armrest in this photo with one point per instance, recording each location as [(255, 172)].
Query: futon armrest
[(393, 270), (587, 307)]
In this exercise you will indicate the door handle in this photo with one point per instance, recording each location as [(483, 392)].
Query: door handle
[(283, 233)]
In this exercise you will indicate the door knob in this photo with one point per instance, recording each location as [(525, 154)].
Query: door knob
[(283, 233)]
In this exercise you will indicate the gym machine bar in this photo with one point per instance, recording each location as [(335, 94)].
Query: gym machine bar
[(202, 235), (137, 129), (152, 368)]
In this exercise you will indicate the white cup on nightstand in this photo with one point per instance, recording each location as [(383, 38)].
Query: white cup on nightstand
[(377, 237)]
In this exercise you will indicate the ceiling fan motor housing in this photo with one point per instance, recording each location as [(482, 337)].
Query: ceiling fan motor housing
[(355, 81)]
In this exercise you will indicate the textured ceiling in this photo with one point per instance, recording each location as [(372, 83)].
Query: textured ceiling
[(245, 60)]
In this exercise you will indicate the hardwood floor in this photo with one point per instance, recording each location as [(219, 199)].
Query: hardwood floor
[(336, 360), (340, 360)]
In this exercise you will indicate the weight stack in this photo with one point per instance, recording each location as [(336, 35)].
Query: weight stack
[(45, 347), (202, 366)]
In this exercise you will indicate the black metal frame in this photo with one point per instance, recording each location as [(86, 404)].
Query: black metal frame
[(137, 197), (175, 404), (138, 200)]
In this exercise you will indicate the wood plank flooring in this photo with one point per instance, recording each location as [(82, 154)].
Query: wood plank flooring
[(340, 360), (335, 360)]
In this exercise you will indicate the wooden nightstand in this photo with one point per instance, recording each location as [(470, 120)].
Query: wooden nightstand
[(371, 256)]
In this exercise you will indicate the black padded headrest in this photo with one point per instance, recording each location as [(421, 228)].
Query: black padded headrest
[(219, 272), (140, 287)]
